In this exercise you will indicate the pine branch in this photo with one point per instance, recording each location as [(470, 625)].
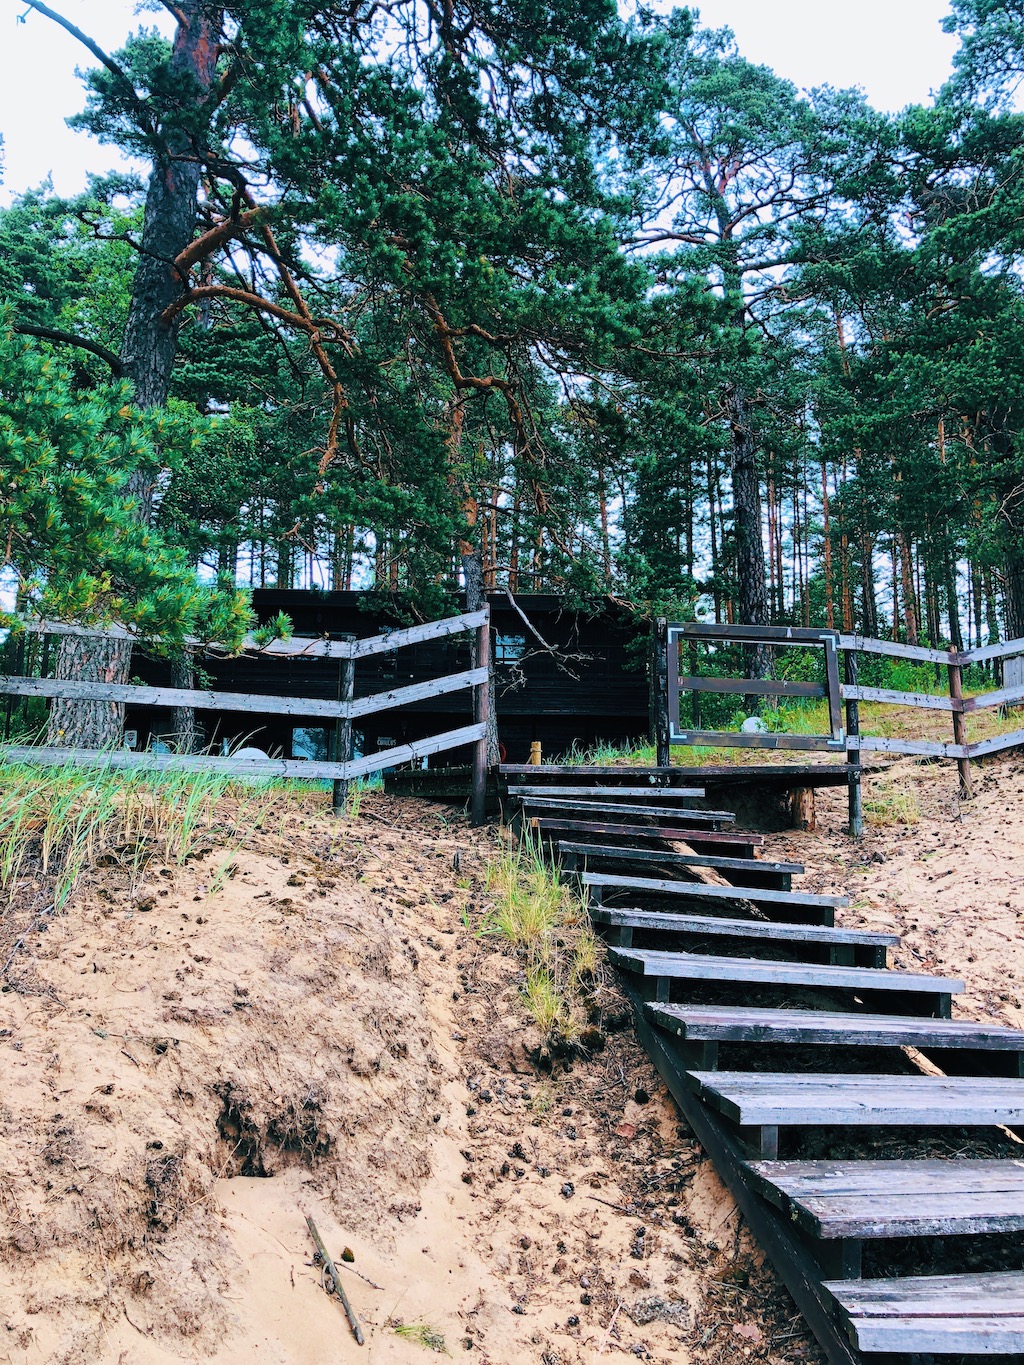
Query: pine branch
[(69, 339)]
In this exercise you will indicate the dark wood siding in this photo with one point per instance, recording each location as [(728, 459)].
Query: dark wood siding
[(596, 692)]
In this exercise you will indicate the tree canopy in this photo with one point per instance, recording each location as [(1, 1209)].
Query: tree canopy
[(585, 293)]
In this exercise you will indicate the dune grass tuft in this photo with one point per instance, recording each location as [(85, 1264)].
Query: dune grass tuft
[(57, 823), (422, 1334), (547, 924)]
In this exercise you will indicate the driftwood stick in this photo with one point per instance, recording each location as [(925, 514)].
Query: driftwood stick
[(339, 1289)]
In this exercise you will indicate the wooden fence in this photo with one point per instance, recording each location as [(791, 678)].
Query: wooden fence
[(343, 711), (842, 695)]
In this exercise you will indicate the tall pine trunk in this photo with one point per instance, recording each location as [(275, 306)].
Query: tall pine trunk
[(752, 587), (148, 349)]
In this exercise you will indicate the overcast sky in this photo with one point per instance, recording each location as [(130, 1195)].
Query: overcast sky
[(894, 49)]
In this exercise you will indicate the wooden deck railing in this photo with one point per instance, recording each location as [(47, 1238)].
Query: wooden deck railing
[(845, 735), (343, 711)]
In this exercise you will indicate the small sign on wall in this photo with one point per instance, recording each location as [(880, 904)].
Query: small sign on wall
[(131, 739)]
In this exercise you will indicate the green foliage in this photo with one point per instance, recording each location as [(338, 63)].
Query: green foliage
[(56, 823), (547, 925), (68, 509)]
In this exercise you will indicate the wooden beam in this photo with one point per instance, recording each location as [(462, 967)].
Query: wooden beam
[(996, 744), (924, 748), (256, 767), (671, 834), (742, 687), (1005, 696), (240, 701), (864, 644), (733, 739), (419, 748), (404, 696), (190, 763), (583, 806), (780, 635), (295, 648), (417, 635), (1008, 649), (924, 700)]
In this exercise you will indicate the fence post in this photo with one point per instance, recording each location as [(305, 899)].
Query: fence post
[(659, 692), (853, 774), (343, 729), (481, 715), (956, 696)]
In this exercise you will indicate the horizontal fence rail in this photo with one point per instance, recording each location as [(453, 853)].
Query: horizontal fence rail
[(241, 701), (310, 769), (299, 648), (342, 712)]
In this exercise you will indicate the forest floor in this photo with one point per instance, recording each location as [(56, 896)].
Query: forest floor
[(190, 1070)]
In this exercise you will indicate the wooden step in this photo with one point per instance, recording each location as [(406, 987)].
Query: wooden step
[(710, 817), (934, 1314), (608, 793), (653, 855), (671, 833), (743, 1024), (934, 991), (753, 774), (781, 1098), (869, 1199), (841, 940), (756, 895)]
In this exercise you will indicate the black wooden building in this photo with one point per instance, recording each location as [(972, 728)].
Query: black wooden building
[(590, 686)]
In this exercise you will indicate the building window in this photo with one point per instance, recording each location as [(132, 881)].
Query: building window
[(509, 649), (310, 742)]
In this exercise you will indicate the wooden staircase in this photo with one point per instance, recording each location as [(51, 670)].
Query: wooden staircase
[(774, 1028)]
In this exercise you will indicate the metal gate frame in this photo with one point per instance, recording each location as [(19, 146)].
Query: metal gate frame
[(693, 631)]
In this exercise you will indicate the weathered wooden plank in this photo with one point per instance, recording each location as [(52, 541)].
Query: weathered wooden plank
[(417, 635), (759, 972), (135, 695), (940, 1314), (653, 855), (779, 635), (925, 748), (778, 1238), (585, 770), (821, 1179), (588, 793), (1004, 696), (311, 770), (759, 895), (711, 817), (749, 687), (419, 748), (750, 1024), (741, 928), (1006, 650), (191, 763), (992, 1291), (423, 691), (872, 1199), (956, 1213), (864, 644), (853, 1100), (996, 744), (734, 739), (294, 648), (795, 774), (923, 700), (671, 833)]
